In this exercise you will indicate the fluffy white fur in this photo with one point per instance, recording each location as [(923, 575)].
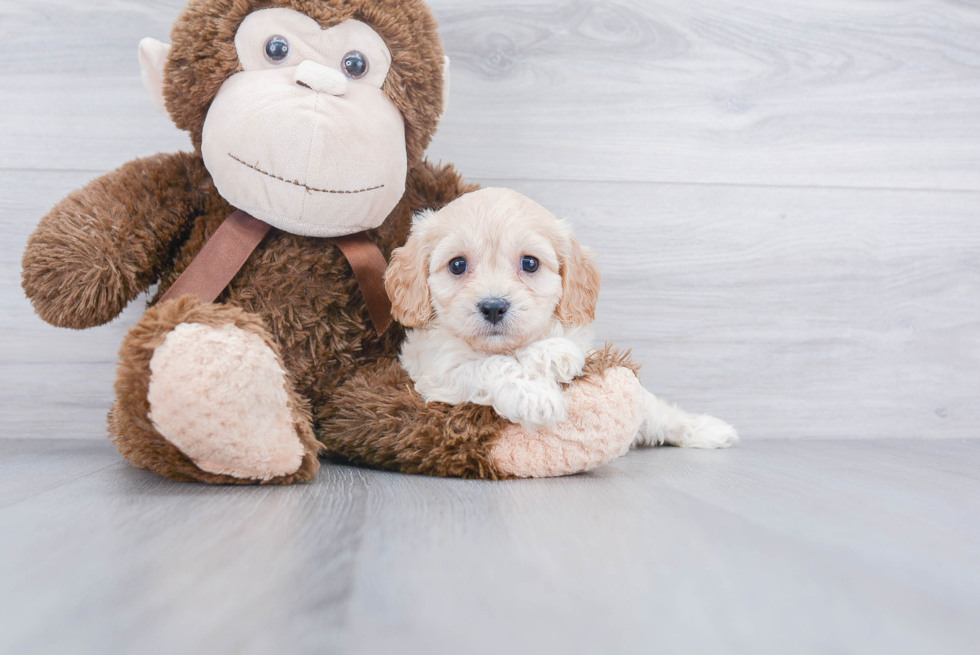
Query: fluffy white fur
[(519, 364), (523, 388)]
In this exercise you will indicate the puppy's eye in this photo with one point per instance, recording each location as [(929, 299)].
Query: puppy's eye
[(355, 65), (457, 266), (529, 264), (277, 49)]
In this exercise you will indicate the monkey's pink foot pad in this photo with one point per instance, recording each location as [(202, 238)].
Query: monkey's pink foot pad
[(604, 415), (219, 395)]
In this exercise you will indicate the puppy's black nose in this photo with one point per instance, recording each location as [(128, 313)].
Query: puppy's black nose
[(493, 309)]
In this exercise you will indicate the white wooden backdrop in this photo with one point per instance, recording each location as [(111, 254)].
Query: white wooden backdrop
[(785, 194)]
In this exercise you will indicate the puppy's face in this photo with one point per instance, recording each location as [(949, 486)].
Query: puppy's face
[(495, 269), (494, 281)]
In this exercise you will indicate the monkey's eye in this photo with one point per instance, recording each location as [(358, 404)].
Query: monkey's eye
[(277, 49), (529, 264), (457, 266), (355, 65)]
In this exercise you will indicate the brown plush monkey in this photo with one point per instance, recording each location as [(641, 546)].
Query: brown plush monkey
[(313, 117)]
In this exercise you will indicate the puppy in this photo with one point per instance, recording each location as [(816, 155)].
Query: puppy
[(500, 294)]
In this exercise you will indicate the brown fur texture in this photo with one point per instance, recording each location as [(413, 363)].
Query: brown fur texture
[(605, 358), (203, 57), (135, 436), (378, 419), (110, 241), (107, 242), (144, 223)]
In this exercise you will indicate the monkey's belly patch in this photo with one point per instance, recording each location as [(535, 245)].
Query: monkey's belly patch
[(301, 184)]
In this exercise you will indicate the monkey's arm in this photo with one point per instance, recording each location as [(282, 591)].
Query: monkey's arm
[(106, 243), (377, 419), (515, 391)]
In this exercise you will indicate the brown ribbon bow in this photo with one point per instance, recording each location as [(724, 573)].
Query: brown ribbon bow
[(240, 234)]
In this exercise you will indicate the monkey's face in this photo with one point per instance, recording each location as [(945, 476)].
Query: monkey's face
[(304, 137)]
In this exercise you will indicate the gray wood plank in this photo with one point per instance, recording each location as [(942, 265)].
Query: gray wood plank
[(879, 94), (836, 93), (54, 383), (36, 466), (813, 547), (643, 557), (791, 312), (72, 93)]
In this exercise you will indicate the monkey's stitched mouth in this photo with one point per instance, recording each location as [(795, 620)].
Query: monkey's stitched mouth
[(308, 188)]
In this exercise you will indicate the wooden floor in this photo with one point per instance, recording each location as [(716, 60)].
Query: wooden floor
[(774, 547), (785, 196)]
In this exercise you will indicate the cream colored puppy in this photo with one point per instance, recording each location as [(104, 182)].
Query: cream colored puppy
[(500, 292)]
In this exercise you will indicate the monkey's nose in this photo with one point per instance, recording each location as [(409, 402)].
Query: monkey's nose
[(320, 78), (493, 309)]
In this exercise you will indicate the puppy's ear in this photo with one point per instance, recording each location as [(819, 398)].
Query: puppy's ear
[(580, 282), (407, 284)]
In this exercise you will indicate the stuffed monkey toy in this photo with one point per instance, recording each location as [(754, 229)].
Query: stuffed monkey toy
[(267, 343)]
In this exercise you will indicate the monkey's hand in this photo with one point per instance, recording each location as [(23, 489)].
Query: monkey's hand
[(106, 243), (605, 410)]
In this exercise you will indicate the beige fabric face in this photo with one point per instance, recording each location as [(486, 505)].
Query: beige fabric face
[(299, 144)]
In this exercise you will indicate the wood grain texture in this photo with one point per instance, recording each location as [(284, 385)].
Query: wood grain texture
[(53, 382), (668, 134), (871, 93), (770, 307), (836, 93), (806, 313), (809, 547), (711, 152)]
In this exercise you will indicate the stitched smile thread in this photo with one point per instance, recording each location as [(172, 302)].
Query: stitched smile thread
[(297, 182)]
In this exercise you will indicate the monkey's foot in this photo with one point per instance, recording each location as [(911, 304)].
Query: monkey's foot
[(604, 414), (219, 396), (202, 395)]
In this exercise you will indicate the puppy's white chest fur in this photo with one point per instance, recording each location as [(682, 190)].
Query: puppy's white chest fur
[(524, 387)]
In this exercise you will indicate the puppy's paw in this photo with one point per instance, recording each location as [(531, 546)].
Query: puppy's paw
[(545, 410), (702, 432), (558, 359), (533, 405), (568, 365)]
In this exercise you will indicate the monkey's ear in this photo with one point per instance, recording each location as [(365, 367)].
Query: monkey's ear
[(153, 57), (445, 84)]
